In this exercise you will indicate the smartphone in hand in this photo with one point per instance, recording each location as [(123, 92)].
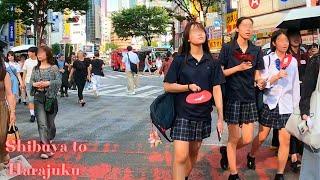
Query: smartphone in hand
[(219, 135)]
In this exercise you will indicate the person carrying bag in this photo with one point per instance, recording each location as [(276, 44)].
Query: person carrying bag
[(304, 123)]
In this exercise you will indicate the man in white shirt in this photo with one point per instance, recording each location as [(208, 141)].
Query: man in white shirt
[(27, 71), (132, 76)]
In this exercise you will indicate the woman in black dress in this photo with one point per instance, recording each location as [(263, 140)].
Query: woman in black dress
[(81, 70)]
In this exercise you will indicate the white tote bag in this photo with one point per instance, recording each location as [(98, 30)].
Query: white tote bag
[(312, 136)]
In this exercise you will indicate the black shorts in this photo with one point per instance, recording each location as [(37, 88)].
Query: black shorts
[(236, 112), (272, 118), (187, 130)]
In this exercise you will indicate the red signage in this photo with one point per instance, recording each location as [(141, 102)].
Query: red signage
[(254, 4)]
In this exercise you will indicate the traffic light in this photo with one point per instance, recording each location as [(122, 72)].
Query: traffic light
[(73, 19)]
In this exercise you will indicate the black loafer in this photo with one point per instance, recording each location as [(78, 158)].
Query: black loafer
[(251, 162), (224, 158)]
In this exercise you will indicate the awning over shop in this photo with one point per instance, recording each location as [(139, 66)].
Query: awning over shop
[(268, 21)]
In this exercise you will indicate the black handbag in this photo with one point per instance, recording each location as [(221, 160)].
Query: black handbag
[(50, 104), (133, 67)]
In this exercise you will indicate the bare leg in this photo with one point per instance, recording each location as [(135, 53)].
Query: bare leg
[(193, 154), (247, 135), (233, 139), (181, 156), (283, 153), (259, 139)]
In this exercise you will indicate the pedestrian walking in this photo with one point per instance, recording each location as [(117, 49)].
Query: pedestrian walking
[(310, 168), (64, 70), (81, 71), (97, 73), (131, 59), (280, 99), (166, 64), (23, 93), (72, 83), (147, 65), (13, 69), (241, 62), (295, 48), (193, 71), (7, 113), (46, 82), (28, 66), (158, 63)]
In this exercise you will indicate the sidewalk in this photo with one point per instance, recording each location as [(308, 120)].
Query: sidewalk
[(139, 161)]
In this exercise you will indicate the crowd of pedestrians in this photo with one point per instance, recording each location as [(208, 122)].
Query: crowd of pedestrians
[(285, 77)]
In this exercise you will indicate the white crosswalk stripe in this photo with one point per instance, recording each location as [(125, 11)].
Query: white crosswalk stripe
[(147, 91), (122, 75)]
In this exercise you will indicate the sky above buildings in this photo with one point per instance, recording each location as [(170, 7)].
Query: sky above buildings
[(112, 5)]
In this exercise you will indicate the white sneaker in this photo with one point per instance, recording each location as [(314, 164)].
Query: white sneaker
[(131, 93)]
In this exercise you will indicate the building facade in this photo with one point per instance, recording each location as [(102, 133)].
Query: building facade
[(93, 23)]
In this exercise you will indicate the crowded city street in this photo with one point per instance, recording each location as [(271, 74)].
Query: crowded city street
[(160, 89)]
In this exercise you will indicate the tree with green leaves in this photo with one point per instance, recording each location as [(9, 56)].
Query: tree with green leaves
[(55, 48), (199, 6), (111, 46), (34, 12), (140, 21)]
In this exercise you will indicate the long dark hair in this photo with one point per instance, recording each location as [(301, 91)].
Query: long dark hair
[(11, 53), (49, 55), (2, 68), (239, 21), (186, 44), (274, 38)]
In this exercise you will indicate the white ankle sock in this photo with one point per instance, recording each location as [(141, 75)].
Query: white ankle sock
[(32, 112)]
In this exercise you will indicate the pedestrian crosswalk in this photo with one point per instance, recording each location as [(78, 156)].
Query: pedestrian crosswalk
[(122, 75), (147, 91)]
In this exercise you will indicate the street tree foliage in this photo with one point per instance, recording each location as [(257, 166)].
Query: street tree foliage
[(140, 21), (55, 48), (34, 12), (111, 46), (199, 6)]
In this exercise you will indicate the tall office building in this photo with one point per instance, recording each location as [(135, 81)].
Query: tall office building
[(93, 22)]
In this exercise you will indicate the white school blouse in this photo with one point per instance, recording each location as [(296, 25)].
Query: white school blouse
[(286, 91)]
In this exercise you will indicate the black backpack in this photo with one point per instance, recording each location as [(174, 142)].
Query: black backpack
[(163, 114), (133, 66), (162, 110)]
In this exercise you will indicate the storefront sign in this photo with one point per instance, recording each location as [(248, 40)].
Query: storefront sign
[(261, 7), (254, 7), (231, 19), (214, 38), (11, 31), (254, 4)]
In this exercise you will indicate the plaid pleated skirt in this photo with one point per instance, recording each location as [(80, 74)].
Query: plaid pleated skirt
[(272, 118), (187, 130), (236, 112)]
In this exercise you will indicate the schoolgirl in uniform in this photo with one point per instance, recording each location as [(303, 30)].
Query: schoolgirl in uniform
[(281, 95), (193, 71), (242, 62)]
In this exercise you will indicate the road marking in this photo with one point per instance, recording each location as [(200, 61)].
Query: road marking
[(109, 87), (137, 90), (121, 76), (113, 77), (150, 93), (113, 90)]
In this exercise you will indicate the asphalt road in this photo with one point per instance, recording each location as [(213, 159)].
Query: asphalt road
[(113, 130)]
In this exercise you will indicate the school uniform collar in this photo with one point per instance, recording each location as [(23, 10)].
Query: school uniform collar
[(275, 56), (249, 49), (205, 57)]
